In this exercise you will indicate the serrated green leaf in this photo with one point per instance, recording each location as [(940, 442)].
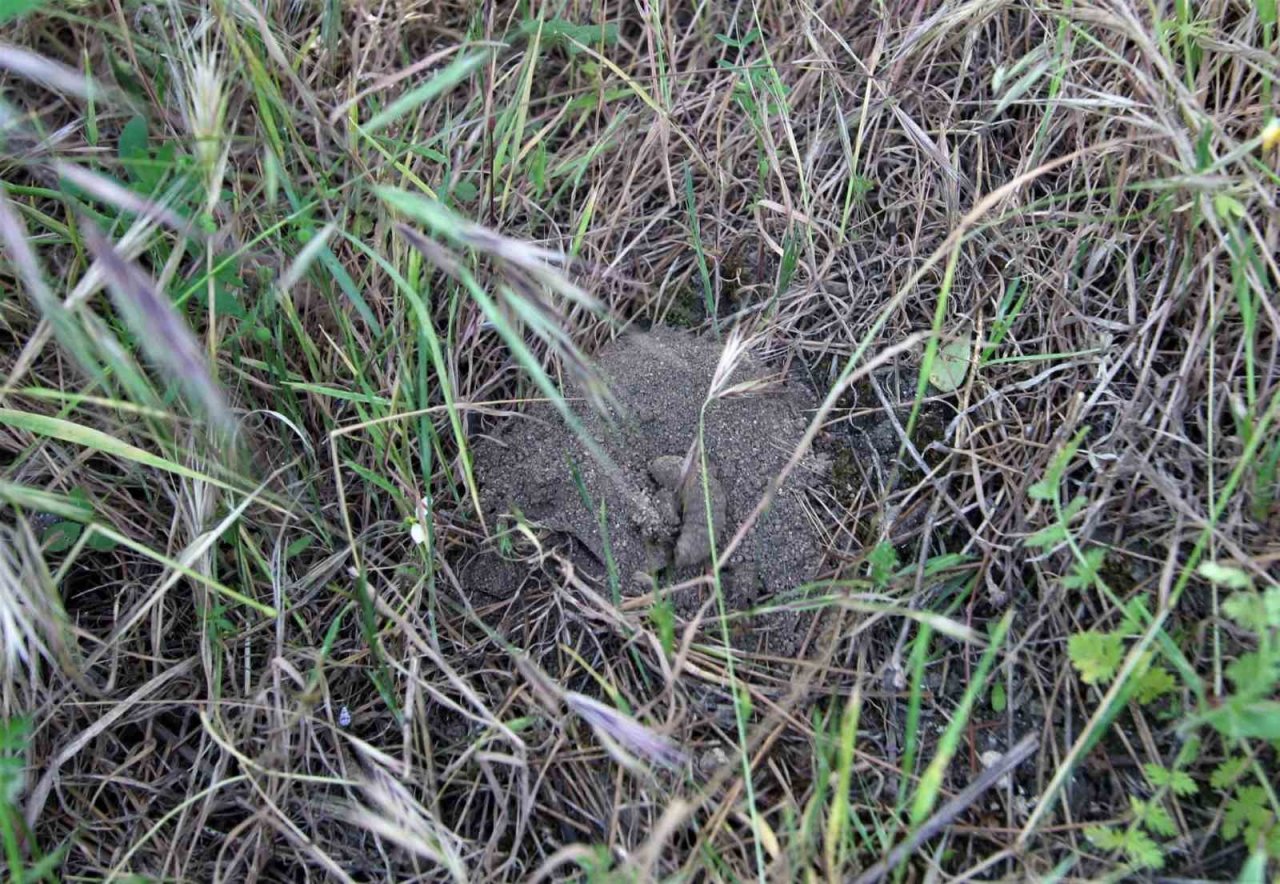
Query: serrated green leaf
[(1096, 655), (1158, 820), (1179, 782), (1271, 607), (1225, 575), (1104, 837), (1084, 572), (1246, 608), (1048, 537), (1142, 851), (1226, 774), (1246, 812), (1042, 490), (1254, 673), (1240, 719), (1157, 774), (951, 364), (1154, 684), (1073, 507), (1182, 784)]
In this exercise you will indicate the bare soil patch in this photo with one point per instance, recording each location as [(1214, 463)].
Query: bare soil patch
[(638, 529)]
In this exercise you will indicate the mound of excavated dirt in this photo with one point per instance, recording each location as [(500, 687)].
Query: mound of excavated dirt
[(650, 518)]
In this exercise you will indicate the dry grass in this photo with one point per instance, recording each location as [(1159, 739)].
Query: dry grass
[(234, 661)]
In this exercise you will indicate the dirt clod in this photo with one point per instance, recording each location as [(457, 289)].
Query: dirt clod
[(645, 525)]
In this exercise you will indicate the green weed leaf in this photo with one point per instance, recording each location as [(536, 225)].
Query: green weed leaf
[(1048, 537), (1047, 488), (1096, 655), (1248, 813), (1154, 684), (1240, 719), (61, 536), (1136, 845), (1224, 575), (951, 365), (662, 616), (1042, 490), (1254, 611), (13, 741), (883, 560), (1228, 773), (1153, 815), (1179, 782), (1254, 674), (12, 9), (1104, 837), (1084, 572)]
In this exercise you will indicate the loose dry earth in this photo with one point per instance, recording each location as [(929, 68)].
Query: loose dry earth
[(617, 523)]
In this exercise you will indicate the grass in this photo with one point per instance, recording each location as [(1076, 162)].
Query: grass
[(272, 270)]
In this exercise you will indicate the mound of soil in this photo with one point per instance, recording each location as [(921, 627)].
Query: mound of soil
[(645, 526)]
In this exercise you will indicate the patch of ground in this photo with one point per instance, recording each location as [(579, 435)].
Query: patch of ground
[(645, 525)]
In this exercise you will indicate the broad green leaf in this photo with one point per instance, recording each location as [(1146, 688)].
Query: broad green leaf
[(951, 365), (12, 9), (132, 147), (465, 191), (61, 536)]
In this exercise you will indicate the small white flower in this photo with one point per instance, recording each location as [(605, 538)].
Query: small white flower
[(416, 531), (344, 717)]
